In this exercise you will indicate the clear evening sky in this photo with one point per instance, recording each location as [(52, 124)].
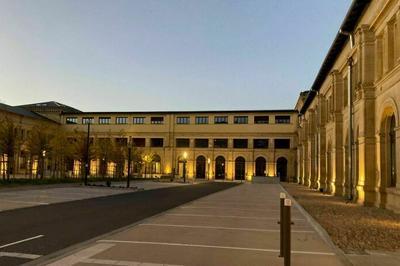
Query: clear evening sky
[(164, 55)]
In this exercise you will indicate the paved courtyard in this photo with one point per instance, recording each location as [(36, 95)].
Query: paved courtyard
[(237, 226), (20, 198)]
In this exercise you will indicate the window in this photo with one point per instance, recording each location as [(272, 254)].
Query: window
[(121, 120), (157, 120), (282, 143), (220, 143), (241, 120), (138, 120), (121, 142), (240, 143), (182, 143), (261, 119), (87, 120), (201, 119), (201, 143), (139, 142), (157, 142), (282, 119), (183, 120), (104, 120), (260, 143), (71, 120), (220, 120)]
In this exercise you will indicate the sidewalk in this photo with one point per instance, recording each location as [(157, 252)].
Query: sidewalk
[(237, 226)]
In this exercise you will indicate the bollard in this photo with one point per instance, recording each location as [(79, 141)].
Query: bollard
[(282, 198), (287, 231)]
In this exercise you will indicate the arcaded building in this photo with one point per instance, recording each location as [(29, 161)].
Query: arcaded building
[(349, 137)]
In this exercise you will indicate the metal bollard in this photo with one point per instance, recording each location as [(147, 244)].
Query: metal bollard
[(282, 199), (287, 222)]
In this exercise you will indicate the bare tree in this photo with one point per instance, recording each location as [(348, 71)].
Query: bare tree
[(10, 142), (38, 146)]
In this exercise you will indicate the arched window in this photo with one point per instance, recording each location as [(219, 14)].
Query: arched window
[(392, 151), (201, 167), (261, 166), (220, 167), (240, 168)]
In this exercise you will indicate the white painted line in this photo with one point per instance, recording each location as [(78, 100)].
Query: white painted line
[(124, 262), (26, 202), (21, 241), (211, 246), (230, 208), (229, 216), (82, 255), (19, 255), (224, 228)]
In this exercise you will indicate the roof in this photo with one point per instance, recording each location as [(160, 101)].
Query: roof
[(50, 105), (348, 25), (187, 112), (21, 111)]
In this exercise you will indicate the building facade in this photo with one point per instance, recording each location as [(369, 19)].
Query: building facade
[(349, 137)]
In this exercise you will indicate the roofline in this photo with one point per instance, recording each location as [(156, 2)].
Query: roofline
[(186, 112), (349, 23)]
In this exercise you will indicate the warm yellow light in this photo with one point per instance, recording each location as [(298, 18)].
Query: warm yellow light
[(185, 155), (208, 160)]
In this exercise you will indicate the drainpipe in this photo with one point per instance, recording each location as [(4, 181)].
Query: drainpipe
[(350, 103)]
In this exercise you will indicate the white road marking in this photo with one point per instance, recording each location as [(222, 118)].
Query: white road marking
[(224, 228), (230, 216), (21, 241), (212, 246), (82, 255), (230, 208), (26, 202), (19, 255), (124, 262)]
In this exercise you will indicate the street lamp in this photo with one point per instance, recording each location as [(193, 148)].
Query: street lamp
[(184, 166), (43, 163), (87, 153), (208, 167), (129, 163)]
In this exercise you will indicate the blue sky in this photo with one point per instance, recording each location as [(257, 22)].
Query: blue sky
[(164, 55)]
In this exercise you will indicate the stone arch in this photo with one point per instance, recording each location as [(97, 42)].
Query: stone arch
[(201, 167), (282, 168), (156, 164), (261, 166), (220, 166), (240, 168)]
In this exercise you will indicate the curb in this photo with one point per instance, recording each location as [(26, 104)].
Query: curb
[(321, 231)]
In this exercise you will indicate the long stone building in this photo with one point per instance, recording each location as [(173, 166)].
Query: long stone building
[(342, 137)]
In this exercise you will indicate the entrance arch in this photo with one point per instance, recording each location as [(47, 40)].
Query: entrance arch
[(261, 166), (240, 168), (220, 167), (201, 167), (281, 168)]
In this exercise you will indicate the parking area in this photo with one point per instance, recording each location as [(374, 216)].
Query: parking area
[(237, 226), (20, 198)]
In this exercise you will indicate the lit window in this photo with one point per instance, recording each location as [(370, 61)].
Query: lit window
[(201, 119), (282, 119), (183, 120), (157, 120), (87, 120), (241, 120), (104, 120), (121, 120), (220, 120), (71, 120), (138, 120)]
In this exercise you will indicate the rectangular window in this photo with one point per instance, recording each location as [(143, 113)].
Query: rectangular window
[(220, 120), (261, 119), (183, 120), (182, 143), (121, 120), (157, 142), (220, 143), (87, 120), (139, 142), (201, 119), (104, 120), (240, 143), (282, 119), (282, 143), (71, 120), (260, 143), (121, 142), (138, 120), (201, 143), (241, 120), (157, 120)]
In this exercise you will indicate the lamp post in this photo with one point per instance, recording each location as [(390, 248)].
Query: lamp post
[(129, 163), (208, 167), (43, 162), (87, 153), (184, 166)]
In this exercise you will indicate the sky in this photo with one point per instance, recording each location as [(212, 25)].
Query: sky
[(147, 55)]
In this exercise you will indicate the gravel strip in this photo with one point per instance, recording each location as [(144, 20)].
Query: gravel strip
[(352, 227)]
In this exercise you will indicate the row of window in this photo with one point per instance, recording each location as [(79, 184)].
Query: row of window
[(218, 143), (279, 119)]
